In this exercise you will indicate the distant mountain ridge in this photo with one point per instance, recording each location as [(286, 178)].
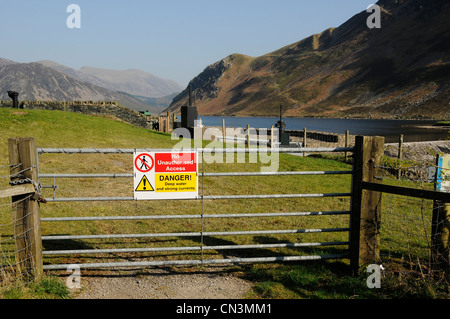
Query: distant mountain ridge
[(399, 71), (135, 82), (4, 62), (48, 80), (35, 81)]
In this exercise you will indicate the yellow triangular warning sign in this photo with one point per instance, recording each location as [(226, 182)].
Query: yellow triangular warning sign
[(144, 185)]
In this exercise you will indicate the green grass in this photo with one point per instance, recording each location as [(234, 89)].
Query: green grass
[(48, 287), (66, 129), (310, 280), (291, 280)]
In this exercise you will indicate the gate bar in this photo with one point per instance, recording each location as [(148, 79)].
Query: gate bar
[(196, 234), (42, 150), (64, 219), (196, 262), (407, 191), (210, 197), (276, 173), (130, 175), (221, 247), (111, 175)]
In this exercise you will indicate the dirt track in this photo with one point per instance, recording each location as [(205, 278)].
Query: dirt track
[(158, 283)]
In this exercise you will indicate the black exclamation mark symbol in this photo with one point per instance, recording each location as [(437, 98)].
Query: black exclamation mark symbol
[(145, 180)]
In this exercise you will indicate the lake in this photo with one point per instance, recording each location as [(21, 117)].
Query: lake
[(412, 130)]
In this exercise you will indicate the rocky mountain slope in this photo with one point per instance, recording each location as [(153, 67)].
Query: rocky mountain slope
[(401, 70), (35, 81), (135, 82), (4, 62)]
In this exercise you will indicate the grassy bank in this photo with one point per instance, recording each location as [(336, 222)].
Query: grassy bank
[(324, 279)]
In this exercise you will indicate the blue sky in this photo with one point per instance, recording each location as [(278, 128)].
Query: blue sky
[(173, 39)]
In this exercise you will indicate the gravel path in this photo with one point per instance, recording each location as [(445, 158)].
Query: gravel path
[(161, 283)]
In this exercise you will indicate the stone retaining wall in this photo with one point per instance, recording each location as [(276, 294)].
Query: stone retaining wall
[(89, 108)]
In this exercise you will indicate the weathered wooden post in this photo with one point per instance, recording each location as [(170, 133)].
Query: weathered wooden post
[(272, 137), (440, 240), (27, 229), (161, 123), (304, 139), (365, 204), (248, 135), (224, 133), (347, 141), (168, 123), (399, 156)]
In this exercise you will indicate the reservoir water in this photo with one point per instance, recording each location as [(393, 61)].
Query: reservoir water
[(412, 130)]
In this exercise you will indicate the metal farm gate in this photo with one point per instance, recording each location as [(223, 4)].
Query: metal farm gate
[(200, 233), (224, 223)]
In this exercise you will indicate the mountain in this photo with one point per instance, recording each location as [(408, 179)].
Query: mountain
[(4, 62), (135, 82), (158, 102), (34, 81), (401, 70)]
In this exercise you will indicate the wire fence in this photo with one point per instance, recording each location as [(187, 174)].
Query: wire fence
[(407, 222), (14, 262)]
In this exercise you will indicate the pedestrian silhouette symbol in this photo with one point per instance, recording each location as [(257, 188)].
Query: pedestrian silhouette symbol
[(144, 163)]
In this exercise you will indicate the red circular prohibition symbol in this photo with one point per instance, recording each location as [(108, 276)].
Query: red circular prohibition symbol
[(142, 164)]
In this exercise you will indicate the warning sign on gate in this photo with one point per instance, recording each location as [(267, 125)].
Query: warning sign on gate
[(169, 175), (144, 185)]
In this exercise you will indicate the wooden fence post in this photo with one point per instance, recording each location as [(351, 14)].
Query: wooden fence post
[(160, 124), (248, 135), (365, 204), (440, 229), (27, 229), (304, 139), (224, 133), (399, 156), (347, 141), (168, 123), (272, 136)]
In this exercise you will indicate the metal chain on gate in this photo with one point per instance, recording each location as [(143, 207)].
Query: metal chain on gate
[(37, 187)]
